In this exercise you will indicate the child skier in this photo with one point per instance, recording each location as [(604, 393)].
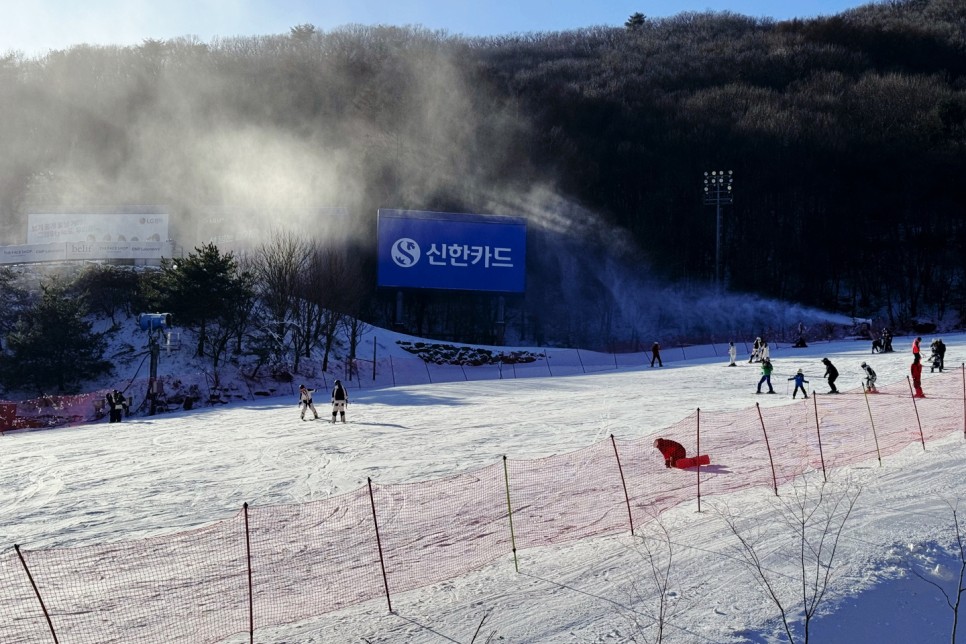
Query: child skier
[(869, 378), (340, 398), (305, 401), (800, 381)]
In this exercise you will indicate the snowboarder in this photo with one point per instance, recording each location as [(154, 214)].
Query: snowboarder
[(671, 450), (800, 382), (916, 371), (340, 399), (831, 373), (305, 401), (869, 377), (656, 354), (766, 369), (732, 354)]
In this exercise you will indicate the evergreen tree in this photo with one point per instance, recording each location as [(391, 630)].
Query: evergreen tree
[(636, 21), (13, 300), (206, 291), (53, 346)]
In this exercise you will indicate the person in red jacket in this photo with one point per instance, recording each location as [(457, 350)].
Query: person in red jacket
[(671, 451), (916, 370), (915, 347)]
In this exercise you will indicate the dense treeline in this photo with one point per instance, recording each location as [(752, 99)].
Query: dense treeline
[(846, 135)]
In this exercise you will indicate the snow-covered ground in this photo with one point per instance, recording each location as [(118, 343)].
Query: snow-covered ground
[(150, 476)]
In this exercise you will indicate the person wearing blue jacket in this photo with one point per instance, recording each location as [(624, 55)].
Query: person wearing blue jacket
[(800, 381)]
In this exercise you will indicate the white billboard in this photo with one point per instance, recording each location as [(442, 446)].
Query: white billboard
[(65, 251), (29, 253), (45, 228)]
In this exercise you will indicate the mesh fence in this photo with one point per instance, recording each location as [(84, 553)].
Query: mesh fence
[(281, 564)]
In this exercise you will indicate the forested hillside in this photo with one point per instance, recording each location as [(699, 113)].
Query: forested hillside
[(846, 136)]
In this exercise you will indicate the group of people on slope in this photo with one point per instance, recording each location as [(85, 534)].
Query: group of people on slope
[(831, 373), (340, 400), (759, 351)]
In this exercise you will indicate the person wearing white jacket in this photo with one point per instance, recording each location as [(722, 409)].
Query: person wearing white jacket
[(305, 401)]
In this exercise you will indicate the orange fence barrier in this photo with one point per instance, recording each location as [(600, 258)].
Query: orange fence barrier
[(281, 564)]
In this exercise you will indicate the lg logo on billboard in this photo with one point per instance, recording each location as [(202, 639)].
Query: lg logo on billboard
[(405, 252)]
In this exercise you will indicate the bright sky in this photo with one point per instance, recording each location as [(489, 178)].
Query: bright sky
[(36, 26)]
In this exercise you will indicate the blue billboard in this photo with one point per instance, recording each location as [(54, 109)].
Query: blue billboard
[(418, 249)]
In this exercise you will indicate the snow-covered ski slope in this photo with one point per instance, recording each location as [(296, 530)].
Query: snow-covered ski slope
[(158, 477)]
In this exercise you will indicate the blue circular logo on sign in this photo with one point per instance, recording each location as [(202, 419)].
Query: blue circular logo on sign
[(405, 252)]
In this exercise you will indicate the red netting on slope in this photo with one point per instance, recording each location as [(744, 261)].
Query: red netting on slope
[(183, 587)]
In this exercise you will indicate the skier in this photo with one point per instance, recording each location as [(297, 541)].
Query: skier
[(656, 354), (766, 369), (732, 354), (886, 341), (305, 401), (764, 353), (755, 351), (800, 381), (671, 450), (915, 347), (340, 398), (916, 370), (831, 373), (869, 378), (938, 353)]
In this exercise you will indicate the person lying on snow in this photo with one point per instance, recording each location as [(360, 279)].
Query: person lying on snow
[(671, 450)]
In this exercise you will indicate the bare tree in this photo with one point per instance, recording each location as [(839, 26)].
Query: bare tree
[(278, 265), (655, 548), (812, 521)]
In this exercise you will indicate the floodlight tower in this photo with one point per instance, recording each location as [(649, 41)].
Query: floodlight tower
[(717, 191), (155, 324)]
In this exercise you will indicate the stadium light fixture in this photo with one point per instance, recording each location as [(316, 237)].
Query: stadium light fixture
[(718, 186)]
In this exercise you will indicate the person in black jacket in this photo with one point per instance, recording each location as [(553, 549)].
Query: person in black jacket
[(340, 399), (831, 373), (116, 405)]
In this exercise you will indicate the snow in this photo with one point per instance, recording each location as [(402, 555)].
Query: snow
[(156, 476)]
